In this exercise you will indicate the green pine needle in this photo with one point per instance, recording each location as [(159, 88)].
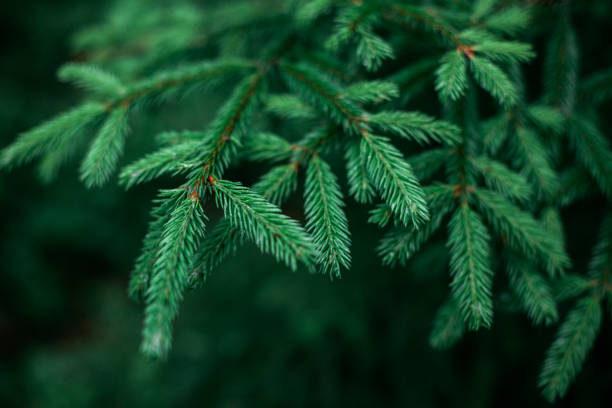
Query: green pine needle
[(451, 76), (416, 126), (572, 343), (360, 186), (400, 244), (533, 292), (180, 237), (523, 232), (499, 177), (394, 180), (494, 80), (103, 156), (468, 243), (325, 219), (448, 326), (92, 79), (264, 224), (48, 135)]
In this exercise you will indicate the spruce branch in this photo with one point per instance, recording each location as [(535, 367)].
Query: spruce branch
[(429, 162), (400, 244), (93, 79), (228, 128), (371, 92), (140, 276), (533, 292), (326, 96), (493, 80), (510, 21), (534, 160), (266, 146), (263, 223), (415, 126), (325, 218), (180, 237), (224, 239), (360, 185), (448, 326), (593, 151), (48, 135), (394, 180), (107, 147), (468, 243), (289, 107), (499, 177), (172, 160), (572, 343), (451, 76), (522, 231), (178, 82)]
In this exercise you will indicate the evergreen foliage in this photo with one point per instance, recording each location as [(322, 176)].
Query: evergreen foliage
[(314, 97)]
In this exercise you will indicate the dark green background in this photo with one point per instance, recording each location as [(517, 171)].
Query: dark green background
[(256, 334)]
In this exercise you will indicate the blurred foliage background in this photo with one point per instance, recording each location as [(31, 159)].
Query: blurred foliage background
[(256, 334)]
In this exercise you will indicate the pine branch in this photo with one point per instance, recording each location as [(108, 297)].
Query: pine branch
[(103, 155), (426, 164), (219, 244), (572, 343), (561, 65), (415, 78), (228, 128), (143, 269), (533, 292), (289, 107), (571, 286), (522, 231), (355, 23), (170, 138), (468, 243), (416, 126), (400, 244), (263, 223), (451, 76), (493, 80), (267, 146), (224, 239), (600, 266), (278, 184), (65, 149), (381, 215), (93, 79), (179, 239), (371, 92), (598, 86), (551, 220), (448, 326), (318, 91), (47, 136), (533, 158), (360, 186), (481, 8), (394, 180), (309, 11), (499, 177), (593, 151), (495, 132), (172, 160), (325, 219), (178, 82), (546, 118), (505, 51), (510, 21)]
